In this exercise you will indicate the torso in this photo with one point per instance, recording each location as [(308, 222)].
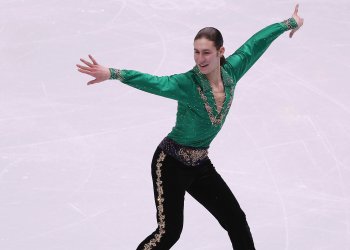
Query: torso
[(219, 96)]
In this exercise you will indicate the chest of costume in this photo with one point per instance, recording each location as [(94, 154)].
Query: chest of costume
[(206, 102)]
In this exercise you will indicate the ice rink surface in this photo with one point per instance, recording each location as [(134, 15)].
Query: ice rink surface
[(75, 159)]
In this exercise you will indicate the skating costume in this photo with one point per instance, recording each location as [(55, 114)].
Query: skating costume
[(180, 162)]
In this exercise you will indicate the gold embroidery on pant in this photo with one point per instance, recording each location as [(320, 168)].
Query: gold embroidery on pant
[(192, 155), (161, 217), (187, 155)]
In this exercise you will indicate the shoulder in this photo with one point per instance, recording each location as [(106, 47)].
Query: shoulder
[(229, 68), (184, 79), (184, 76)]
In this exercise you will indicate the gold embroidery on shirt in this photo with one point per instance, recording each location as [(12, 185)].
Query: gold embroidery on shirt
[(116, 74), (288, 23), (215, 121), (228, 82)]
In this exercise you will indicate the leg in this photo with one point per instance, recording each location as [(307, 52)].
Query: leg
[(213, 193), (169, 198)]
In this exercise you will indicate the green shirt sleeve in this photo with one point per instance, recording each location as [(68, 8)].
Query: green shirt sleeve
[(177, 87), (244, 57)]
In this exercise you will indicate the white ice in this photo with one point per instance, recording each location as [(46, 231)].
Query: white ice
[(75, 159)]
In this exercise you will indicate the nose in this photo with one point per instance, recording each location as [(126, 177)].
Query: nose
[(200, 59)]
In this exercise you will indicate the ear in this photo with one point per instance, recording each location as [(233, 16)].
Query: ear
[(222, 51)]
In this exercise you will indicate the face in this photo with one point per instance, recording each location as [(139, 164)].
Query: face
[(206, 56)]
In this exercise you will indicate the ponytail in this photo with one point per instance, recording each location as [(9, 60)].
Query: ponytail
[(222, 60)]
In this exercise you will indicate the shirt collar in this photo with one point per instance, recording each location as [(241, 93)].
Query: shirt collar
[(204, 82)]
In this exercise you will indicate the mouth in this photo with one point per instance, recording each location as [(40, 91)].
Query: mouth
[(203, 66)]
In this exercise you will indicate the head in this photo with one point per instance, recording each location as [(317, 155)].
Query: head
[(209, 50)]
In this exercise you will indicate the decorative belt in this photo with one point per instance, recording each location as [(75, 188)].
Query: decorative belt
[(190, 156)]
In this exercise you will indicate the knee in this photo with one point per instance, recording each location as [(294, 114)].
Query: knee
[(235, 221)]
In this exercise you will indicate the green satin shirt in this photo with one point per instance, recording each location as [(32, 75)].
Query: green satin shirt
[(197, 119)]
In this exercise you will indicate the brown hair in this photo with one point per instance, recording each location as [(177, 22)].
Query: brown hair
[(214, 35)]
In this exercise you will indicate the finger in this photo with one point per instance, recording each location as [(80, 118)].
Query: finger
[(291, 33), (85, 71), (296, 9), (86, 62), (92, 82), (83, 67), (93, 60)]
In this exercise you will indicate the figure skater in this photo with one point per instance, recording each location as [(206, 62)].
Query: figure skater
[(180, 162)]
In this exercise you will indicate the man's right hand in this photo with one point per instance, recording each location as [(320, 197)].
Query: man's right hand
[(95, 70)]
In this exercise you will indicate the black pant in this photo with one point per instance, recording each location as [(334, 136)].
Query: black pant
[(171, 179)]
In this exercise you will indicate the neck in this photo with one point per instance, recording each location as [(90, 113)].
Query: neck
[(214, 77)]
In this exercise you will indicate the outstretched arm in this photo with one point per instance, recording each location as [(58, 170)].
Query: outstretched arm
[(245, 57), (175, 87)]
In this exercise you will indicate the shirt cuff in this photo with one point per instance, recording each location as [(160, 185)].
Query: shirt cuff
[(115, 74), (290, 24)]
